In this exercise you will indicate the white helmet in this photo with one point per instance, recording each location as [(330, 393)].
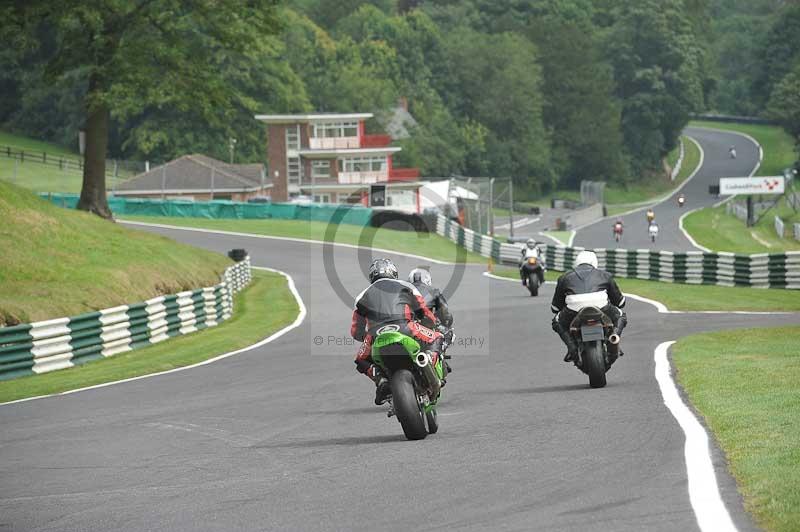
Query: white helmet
[(531, 243), (419, 275), (586, 257)]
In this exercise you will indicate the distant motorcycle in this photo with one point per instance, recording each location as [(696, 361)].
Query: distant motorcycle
[(681, 200), (618, 231), (653, 232), (732, 151), (532, 272), (593, 332)]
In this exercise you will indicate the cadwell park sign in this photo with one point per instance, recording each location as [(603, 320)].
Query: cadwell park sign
[(729, 186)]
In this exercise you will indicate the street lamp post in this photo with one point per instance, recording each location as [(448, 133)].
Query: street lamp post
[(232, 146)]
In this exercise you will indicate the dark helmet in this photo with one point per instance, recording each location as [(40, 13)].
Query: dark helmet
[(382, 269)]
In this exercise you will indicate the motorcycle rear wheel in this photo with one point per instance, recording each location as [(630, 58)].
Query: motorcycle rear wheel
[(433, 421), (533, 284), (594, 365), (406, 405)]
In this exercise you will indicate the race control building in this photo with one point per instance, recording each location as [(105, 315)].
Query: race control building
[(329, 157)]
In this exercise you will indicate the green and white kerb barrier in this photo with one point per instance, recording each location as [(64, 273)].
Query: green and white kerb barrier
[(33, 348), (762, 270)]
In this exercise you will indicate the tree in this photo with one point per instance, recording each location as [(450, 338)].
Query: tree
[(784, 103), (133, 53)]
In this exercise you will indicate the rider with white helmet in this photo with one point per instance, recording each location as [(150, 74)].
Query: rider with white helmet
[(585, 278)]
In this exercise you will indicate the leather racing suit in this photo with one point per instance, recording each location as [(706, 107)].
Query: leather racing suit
[(391, 302), (585, 279)]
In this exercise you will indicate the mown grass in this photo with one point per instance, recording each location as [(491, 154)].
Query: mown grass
[(426, 244), (779, 149), (561, 236), (744, 384), (697, 297), (264, 307), (56, 262), (719, 231), (43, 177)]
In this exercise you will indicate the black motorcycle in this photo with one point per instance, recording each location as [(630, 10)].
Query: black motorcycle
[(598, 346), (532, 272)]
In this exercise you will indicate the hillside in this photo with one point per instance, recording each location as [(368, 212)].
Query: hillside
[(55, 262)]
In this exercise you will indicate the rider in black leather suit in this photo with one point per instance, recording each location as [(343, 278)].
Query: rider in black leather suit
[(585, 278)]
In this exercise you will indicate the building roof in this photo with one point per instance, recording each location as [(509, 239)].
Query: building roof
[(192, 173), (311, 117)]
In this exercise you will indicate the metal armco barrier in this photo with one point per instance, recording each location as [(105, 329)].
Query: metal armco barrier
[(33, 348), (763, 270)]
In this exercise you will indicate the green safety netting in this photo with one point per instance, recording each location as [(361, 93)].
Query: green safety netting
[(348, 214)]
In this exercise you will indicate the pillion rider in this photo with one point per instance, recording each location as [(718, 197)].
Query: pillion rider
[(386, 301), (585, 278)]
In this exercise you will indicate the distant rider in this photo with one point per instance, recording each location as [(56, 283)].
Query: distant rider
[(681, 200), (531, 249), (732, 151), (585, 278), (618, 227), (653, 231), (434, 300), (389, 301), (650, 216)]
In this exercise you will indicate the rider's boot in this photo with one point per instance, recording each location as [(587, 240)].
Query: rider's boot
[(621, 323), (572, 347), (382, 388)]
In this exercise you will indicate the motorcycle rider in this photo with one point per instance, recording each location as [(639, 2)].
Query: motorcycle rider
[(585, 278), (531, 249), (650, 216), (389, 301), (681, 200), (653, 231), (618, 227), (434, 300), (732, 151)]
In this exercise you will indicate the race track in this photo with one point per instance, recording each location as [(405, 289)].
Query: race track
[(716, 163), (285, 437)]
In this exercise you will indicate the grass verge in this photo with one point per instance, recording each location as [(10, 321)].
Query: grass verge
[(427, 244), (43, 177), (561, 236), (57, 262), (262, 308), (779, 149), (744, 384), (720, 231), (697, 297)]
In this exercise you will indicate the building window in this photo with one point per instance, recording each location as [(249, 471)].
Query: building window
[(293, 137), (322, 198), (336, 129), (293, 170), (363, 164), (320, 169)]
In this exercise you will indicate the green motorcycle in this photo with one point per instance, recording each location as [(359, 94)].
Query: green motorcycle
[(415, 380)]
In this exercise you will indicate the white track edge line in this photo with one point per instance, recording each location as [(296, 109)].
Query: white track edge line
[(662, 308), (658, 201), (704, 495), (301, 316), (755, 169), (289, 239)]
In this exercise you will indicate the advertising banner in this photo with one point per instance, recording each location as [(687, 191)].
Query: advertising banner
[(751, 185)]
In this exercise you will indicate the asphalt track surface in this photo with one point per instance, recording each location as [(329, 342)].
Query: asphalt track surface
[(717, 163), (285, 437)]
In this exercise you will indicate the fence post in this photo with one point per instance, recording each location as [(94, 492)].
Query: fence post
[(163, 179), (511, 209), (213, 172)]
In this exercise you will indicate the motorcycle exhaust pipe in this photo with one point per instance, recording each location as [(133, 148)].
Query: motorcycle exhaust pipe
[(613, 344), (423, 360)]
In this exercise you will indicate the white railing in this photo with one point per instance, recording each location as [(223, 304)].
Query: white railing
[(333, 143), (363, 178), (780, 228)]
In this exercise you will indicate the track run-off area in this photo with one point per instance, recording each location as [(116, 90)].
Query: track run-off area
[(284, 435)]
